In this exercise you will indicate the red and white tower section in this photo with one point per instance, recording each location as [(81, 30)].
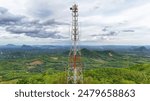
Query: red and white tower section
[(75, 75)]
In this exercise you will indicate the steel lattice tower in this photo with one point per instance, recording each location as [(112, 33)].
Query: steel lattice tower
[(75, 75)]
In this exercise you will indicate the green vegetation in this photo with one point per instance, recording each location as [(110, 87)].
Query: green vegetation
[(101, 67)]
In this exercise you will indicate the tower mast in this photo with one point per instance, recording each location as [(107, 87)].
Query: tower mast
[(75, 75)]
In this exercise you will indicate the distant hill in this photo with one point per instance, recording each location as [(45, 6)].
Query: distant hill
[(10, 45), (87, 50), (142, 48), (26, 46), (105, 54), (95, 53)]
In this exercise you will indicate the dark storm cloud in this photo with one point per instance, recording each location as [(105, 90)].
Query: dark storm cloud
[(35, 32), (105, 28), (45, 34), (16, 24), (107, 31), (7, 18), (36, 29), (20, 30), (129, 30), (111, 33)]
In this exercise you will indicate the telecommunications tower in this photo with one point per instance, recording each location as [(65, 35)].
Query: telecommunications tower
[(75, 75)]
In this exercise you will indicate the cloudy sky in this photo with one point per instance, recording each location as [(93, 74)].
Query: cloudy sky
[(102, 22)]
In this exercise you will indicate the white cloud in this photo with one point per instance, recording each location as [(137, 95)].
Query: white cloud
[(94, 16)]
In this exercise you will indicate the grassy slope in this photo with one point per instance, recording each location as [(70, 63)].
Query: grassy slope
[(96, 71)]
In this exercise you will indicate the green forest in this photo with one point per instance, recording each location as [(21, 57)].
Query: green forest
[(100, 67)]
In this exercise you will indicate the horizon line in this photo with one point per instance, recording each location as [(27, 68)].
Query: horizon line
[(79, 46)]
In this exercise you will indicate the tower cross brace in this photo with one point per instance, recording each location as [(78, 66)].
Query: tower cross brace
[(75, 75)]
